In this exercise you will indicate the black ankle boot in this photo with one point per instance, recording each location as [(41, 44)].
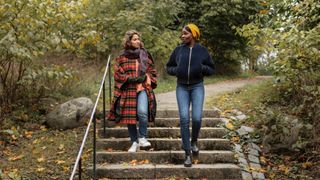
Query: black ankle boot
[(187, 161), (194, 148)]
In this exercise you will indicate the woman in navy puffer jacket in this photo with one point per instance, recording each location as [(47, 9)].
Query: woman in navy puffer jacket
[(190, 62)]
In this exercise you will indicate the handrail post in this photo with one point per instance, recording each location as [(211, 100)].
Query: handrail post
[(104, 108), (80, 168), (94, 147)]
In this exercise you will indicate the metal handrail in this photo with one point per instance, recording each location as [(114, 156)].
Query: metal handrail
[(92, 119)]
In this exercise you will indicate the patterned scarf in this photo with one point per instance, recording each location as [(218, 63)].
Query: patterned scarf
[(139, 54)]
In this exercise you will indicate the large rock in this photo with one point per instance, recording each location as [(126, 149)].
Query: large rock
[(70, 114)]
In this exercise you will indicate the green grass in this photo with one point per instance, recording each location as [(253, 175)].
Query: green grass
[(243, 99)]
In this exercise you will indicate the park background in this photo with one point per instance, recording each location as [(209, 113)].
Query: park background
[(52, 51)]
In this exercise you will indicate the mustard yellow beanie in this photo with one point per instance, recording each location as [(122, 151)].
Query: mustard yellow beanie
[(194, 30)]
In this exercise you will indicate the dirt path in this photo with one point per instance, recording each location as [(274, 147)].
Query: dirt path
[(168, 100)]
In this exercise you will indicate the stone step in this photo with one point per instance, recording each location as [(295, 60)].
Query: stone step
[(173, 122), (154, 171), (164, 157), (160, 132), (213, 113), (123, 144)]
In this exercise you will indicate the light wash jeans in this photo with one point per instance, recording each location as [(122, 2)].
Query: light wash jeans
[(186, 95), (142, 112)]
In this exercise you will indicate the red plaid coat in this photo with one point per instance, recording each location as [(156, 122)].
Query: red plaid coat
[(123, 108)]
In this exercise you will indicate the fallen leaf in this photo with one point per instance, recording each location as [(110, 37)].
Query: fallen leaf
[(40, 159), (61, 152), (263, 160), (109, 149), (307, 165), (40, 169), (146, 161), (61, 147), (133, 162), (272, 175), (235, 139), (14, 137), (284, 169), (60, 161), (35, 141), (43, 128), (7, 152), (66, 168), (230, 126), (28, 134), (15, 158)]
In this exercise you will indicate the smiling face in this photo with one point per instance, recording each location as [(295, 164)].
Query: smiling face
[(135, 41), (187, 37)]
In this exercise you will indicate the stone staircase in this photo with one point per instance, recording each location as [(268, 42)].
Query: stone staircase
[(165, 158)]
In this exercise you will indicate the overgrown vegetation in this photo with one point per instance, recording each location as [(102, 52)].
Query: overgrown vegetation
[(290, 32), (284, 138)]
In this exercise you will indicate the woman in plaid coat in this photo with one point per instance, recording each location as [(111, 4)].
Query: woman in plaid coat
[(134, 80)]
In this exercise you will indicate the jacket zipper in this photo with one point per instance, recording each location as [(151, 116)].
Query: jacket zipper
[(190, 53)]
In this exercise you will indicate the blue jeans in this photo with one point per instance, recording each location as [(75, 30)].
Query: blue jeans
[(142, 113), (186, 95)]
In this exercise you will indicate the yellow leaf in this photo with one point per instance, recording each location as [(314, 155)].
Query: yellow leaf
[(36, 141), (60, 161), (40, 159), (230, 126), (66, 168), (284, 169), (14, 137), (263, 160), (16, 158), (235, 139), (28, 134), (43, 128), (61, 152), (7, 152), (61, 147), (307, 165), (272, 175), (41, 169), (264, 11)]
